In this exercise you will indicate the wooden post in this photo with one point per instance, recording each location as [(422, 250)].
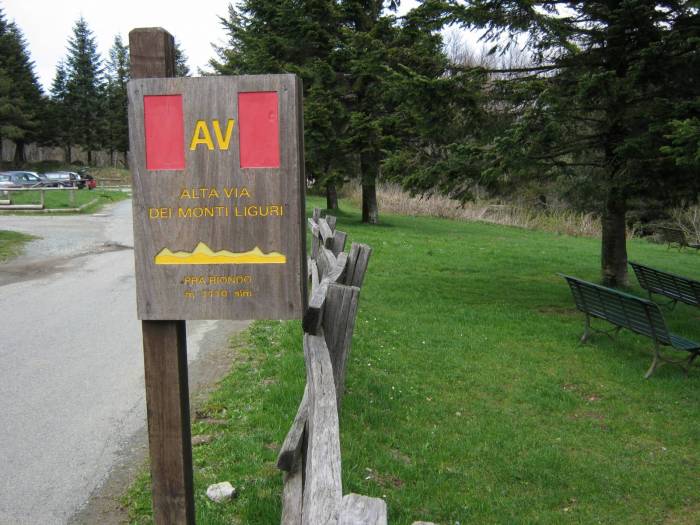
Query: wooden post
[(165, 348), (71, 196)]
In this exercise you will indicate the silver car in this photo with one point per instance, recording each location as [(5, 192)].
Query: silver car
[(20, 179)]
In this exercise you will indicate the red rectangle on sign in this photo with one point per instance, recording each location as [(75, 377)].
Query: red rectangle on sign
[(165, 132), (258, 124)]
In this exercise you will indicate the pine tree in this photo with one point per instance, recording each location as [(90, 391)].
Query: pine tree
[(269, 36), (607, 102), (21, 100), (117, 76), (84, 99), (59, 121), (181, 67)]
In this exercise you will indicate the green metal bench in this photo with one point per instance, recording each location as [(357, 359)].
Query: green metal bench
[(675, 287), (633, 313), (675, 236)]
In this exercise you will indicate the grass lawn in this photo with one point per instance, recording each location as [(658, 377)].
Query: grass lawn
[(61, 199), (11, 244), (469, 399)]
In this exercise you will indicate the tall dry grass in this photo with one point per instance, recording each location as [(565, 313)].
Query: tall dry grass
[(687, 218), (393, 199)]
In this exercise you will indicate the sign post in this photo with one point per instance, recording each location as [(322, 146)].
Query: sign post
[(152, 52), (218, 200)]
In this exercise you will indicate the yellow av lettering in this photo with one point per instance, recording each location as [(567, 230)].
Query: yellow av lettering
[(223, 141), (202, 135)]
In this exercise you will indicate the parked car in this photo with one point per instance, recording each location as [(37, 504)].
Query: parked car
[(66, 179), (90, 181), (21, 179)]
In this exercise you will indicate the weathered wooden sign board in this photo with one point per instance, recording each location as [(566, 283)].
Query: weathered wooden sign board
[(218, 185)]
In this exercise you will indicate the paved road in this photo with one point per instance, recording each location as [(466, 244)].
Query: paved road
[(71, 365)]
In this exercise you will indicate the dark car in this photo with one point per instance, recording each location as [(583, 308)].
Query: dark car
[(21, 179), (66, 179)]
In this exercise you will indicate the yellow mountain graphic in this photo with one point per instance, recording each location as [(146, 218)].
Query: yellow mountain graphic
[(202, 254)]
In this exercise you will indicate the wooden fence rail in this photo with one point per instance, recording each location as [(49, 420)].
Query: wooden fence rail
[(310, 455)]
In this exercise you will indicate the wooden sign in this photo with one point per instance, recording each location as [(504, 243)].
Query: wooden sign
[(218, 179)]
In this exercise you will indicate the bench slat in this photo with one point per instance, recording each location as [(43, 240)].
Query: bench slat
[(628, 311), (670, 285)]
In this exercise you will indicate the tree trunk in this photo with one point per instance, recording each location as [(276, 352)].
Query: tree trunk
[(89, 156), (331, 196), (69, 154), (614, 246), (370, 169), (20, 158)]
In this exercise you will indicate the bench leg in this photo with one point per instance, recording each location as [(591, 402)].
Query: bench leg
[(659, 360), (586, 331), (654, 364)]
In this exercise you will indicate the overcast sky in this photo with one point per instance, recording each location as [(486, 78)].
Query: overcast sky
[(47, 25)]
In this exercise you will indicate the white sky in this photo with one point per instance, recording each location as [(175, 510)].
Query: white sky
[(47, 25)]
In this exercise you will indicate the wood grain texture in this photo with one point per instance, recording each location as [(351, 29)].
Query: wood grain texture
[(338, 243), (165, 351), (362, 510), (313, 227), (152, 53), (313, 316), (289, 456), (169, 438), (292, 497), (326, 261), (314, 275), (275, 291), (358, 260), (326, 233), (322, 483), (331, 220), (340, 311)]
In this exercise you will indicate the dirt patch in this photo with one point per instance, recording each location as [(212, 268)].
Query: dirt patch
[(26, 269), (689, 515), (558, 310)]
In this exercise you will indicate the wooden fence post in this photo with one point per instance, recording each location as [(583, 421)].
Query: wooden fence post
[(165, 348)]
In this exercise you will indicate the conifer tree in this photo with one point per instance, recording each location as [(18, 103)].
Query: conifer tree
[(21, 100), (181, 67), (84, 101), (59, 122), (611, 86), (270, 36), (117, 76)]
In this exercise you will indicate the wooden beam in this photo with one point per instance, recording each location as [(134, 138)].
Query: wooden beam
[(292, 497), (152, 53), (322, 482), (331, 220), (290, 454), (338, 325), (326, 233), (358, 260), (168, 409), (338, 244)]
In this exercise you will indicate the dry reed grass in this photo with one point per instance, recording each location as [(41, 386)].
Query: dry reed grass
[(392, 199)]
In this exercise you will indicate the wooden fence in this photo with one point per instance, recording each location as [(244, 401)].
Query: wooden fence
[(310, 454), (6, 200)]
